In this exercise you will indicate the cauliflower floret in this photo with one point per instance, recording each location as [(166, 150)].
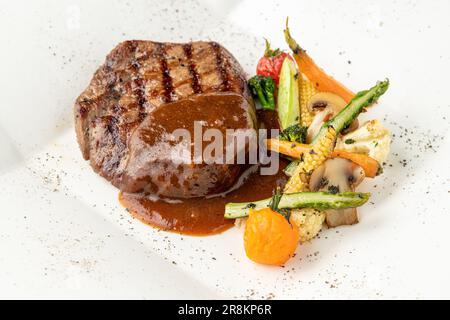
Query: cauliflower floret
[(240, 223), (372, 138), (308, 221)]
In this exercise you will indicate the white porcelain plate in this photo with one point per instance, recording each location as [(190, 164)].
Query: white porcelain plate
[(63, 233)]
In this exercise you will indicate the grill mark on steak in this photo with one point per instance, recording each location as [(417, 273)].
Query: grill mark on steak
[(220, 67), (141, 99), (112, 128), (167, 79), (140, 84), (140, 94), (194, 75)]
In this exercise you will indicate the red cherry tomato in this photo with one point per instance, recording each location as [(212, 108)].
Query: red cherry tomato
[(270, 64)]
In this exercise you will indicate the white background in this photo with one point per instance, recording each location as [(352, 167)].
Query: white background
[(63, 233)]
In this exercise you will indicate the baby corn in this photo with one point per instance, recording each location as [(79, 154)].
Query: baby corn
[(320, 151), (306, 90)]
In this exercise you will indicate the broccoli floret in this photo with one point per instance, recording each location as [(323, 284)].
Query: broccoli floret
[(263, 88), (294, 133)]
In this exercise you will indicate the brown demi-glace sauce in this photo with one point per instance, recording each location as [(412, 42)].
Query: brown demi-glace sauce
[(205, 216)]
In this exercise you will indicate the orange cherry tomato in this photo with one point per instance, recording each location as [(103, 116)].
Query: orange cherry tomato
[(269, 238)]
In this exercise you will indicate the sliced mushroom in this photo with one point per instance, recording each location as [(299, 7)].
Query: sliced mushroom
[(338, 175), (326, 105), (343, 217), (322, 100)]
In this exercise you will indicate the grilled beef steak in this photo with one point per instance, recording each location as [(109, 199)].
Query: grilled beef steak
[(140, 94)]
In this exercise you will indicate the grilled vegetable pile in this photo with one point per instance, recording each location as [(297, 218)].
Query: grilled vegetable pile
[(331, 153)]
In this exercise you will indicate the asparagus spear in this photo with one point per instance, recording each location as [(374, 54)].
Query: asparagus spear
[(234, 210), (362, 100), (323, 200), (317, 200), (290, 168)]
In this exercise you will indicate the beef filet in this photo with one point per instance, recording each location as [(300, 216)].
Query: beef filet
[(138, 78)]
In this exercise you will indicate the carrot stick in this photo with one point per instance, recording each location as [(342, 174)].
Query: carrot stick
[(314, 73), (369, 165), (291, 149)]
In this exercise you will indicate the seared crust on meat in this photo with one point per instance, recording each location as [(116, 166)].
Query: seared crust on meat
[(137, 77)]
